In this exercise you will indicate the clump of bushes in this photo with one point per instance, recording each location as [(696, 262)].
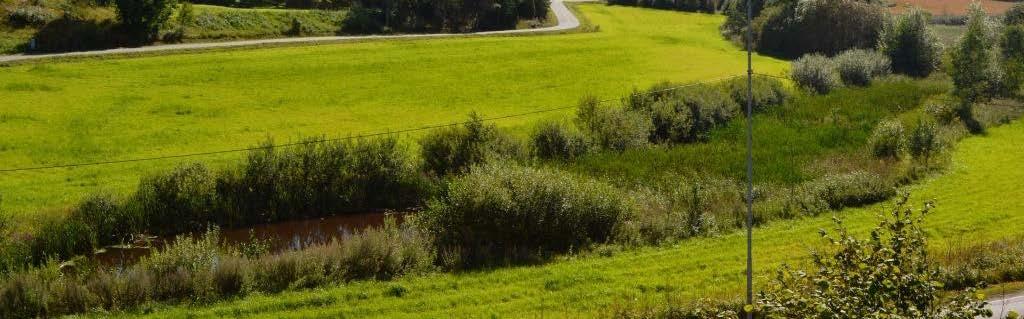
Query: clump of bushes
[(912, 45), (555, 140), (888, 139), (923, 143), (890, 272), (313, 179), (612, 127), (504, 213), (838, 191), (796, 28), (199, 269), (859, 67), (816, 72), (447, 16), (974, 63), (690, 114), (452, 150), (710, 6), (767, 92)]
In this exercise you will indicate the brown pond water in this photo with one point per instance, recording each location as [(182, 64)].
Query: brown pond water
[(282, 236)]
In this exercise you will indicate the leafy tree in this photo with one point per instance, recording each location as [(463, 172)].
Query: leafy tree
[(1015, 15), (143, 18), (911, 45), (1013, 57), (887, 275), (974, 64)]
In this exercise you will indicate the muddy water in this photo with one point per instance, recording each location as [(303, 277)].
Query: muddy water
[(289, 235)]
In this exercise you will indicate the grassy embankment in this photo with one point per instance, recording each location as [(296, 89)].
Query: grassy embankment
[(119, 108), (975, 204)]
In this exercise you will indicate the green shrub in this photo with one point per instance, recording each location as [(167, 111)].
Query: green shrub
[(768, 92), (887, 140), (796, 28), (850, 190), (452, 150), (30, 15), (888, 273), (554, 140), (144, 18), (182, 200), (1014, 16), (611, 127), (22, 296), (815, 72), (691, 114), (974, 66), (507, 213), (228, 276), (1012, 46), (859, 67), (944, 112), (911, 45), (923, 142), (385, 253)]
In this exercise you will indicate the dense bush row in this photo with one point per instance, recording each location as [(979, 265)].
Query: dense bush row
[(310, 180), (793, 28), (200, 270), (709, 6), (854, 67), (294, 4), (374, 16), (501, 213)]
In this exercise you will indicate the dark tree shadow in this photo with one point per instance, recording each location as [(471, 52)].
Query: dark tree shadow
[(68, 35)]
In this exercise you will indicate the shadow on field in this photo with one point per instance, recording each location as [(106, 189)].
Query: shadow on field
[(66, 35)]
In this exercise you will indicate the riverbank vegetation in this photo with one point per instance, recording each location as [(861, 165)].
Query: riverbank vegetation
[(659, 168)]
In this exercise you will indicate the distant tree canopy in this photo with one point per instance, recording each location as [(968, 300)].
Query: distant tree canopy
[(370, 16), (142, 19), (793, 28), (296, 4)]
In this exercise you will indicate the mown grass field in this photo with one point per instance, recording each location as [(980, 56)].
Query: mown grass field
[(975, 204), (123, 108)]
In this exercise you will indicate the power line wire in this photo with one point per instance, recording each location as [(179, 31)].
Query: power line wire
[(351, 137)]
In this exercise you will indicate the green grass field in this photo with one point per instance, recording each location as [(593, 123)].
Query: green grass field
[(123, 108), (975, 204)]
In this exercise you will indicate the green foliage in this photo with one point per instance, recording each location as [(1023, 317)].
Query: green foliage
[(923, 142), (453, 149), (555, 140), (708, 6), (859, 67), (505, 213), (1012, 46), (612, 127), (974, 66), (196, 269), (443, 16), (796, 28), (912, 45), (888, 275), (816, 72), (144, 18), (1014, 16), (768, 92), (838, 191), (689, 114), (888, 139)]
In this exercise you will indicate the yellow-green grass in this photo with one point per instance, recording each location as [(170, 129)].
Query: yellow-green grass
[(123, 108), (978, 200)]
